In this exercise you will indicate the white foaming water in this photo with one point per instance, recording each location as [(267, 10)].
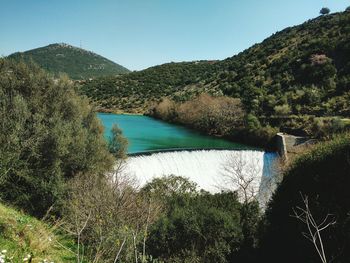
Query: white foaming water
[(204, 167)]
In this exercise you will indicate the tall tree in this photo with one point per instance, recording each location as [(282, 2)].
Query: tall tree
[(47, 135)]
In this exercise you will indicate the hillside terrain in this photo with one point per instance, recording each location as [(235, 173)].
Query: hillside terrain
[(138, 91), (291, 77), (77, 63), (26, 239)]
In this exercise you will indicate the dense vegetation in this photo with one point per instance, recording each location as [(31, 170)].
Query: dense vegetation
[(48, 134), (137, 91), (298, 79), (199, 226), (77, 63), (321, 177)]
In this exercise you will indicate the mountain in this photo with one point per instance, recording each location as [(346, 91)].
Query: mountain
[(302, 70), (77, 63)]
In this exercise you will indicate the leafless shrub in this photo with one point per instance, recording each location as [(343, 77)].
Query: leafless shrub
[(242, 175), (109, 216), (314, 226)]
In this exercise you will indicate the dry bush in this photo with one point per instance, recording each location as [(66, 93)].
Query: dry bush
[(165, 109), (216, 115), (108, 217)]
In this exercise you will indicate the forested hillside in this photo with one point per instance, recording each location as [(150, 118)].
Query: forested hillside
[(77, 63), (303, 70), (137, 91)]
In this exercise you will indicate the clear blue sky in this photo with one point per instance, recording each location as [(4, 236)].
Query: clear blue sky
[(142, 33)]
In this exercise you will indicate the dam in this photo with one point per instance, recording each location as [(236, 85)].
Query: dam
[(160, 149)]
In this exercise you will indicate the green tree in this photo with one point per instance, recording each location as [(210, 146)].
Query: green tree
[(47, 135), (252, 122), (325, 11), (168, 186), (118, 144)]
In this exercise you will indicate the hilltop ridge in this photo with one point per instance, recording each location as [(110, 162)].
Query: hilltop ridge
[(76, 62)]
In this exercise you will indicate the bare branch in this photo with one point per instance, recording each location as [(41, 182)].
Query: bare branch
[(314, 229)]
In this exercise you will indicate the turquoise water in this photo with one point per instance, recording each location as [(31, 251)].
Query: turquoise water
[(147, 134)]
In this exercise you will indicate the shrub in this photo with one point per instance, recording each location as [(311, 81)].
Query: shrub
[(201, 228), (323, 176), (252, 122), (47, 135), (282, 110)]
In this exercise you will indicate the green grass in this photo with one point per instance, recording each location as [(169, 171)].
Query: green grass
[(22, 235), (346, 122)]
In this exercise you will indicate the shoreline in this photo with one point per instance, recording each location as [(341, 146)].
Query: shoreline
[(119, 112), (238, 138), (151, 152)]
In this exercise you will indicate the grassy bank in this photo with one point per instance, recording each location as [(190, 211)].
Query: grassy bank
[(26, 239)]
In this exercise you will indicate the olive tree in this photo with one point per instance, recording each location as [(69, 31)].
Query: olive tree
[(325, 11)]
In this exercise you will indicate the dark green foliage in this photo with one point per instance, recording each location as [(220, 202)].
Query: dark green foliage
[(77, 63), (167, 186), (118, 144), (322, 175), (325, 11), (252, 122), (250, 220), (200, 228), (47, 135)]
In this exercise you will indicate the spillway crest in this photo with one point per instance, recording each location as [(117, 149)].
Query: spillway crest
[(212, 170)]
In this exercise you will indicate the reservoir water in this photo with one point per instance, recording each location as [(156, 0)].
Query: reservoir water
[(148, 134), (158, 148)]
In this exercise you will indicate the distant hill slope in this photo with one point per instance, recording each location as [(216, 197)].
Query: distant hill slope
[(303, 70), (77, 63), (136, 91)]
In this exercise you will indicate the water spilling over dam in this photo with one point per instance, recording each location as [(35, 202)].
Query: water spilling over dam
[(208, 168)]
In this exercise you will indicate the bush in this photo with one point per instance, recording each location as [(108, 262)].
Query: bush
[(202, 228), (199, 226), (47, 135), (323, 176), (282, 110), (326, 127), (213, 115), (252, 122)]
